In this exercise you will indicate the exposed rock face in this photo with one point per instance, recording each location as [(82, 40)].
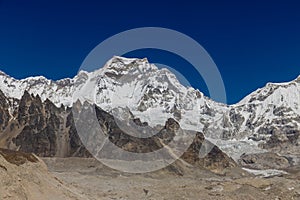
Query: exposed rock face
[(286, 140), (17, 158), (215, 160), (42, 128), (264, 161), (4, 112), (40, 122)]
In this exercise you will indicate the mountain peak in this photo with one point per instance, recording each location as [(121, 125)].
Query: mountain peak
[(118, 66), (119, 62), (2, 73), (298, 79)]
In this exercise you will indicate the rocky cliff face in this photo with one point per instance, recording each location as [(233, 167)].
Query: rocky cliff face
[(39, 127), (4, 112), (46, 130)]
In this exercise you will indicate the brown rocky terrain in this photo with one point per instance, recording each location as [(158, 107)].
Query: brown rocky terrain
[(25, 176), (96, 181), (265, 161)]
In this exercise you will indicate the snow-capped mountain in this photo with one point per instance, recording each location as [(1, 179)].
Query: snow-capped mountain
[(150, 93), (274, 107), (154, 95)]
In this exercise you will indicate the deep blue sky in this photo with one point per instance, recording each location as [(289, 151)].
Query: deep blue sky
[(252, 42)]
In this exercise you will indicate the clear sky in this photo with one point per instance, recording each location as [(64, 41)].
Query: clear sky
[(252, 42)]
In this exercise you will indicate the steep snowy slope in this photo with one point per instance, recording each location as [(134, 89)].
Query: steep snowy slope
[(274, 107)]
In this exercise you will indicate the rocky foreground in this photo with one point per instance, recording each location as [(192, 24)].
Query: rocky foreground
[(25, 176), (201, 185)]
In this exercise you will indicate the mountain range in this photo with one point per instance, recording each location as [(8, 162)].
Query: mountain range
[(36, 113)]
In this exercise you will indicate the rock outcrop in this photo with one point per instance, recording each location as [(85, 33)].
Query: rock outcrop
[(39, 127), (264, 161)]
